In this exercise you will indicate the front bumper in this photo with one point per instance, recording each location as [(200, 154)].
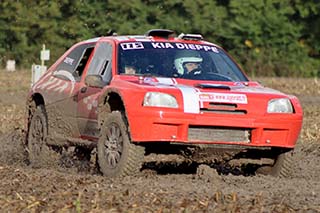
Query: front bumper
[(271, 130)]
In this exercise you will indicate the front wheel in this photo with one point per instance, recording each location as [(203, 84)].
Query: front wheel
[(117, 156), (282, 167)]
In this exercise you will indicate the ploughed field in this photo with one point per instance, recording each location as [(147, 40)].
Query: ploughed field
[(169, 185)]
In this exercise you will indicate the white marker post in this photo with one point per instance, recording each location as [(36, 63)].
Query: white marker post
[(38, 70), (44, 55), (11, 65)]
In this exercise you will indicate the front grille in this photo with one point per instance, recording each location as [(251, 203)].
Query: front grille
[(214, 134), (222, 108)]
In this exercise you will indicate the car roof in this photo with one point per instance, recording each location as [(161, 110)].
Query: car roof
[(153, 37)]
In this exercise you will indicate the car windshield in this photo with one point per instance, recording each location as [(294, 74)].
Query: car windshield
[(177, 60)]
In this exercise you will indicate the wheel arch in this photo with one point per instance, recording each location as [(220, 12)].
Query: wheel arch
[(34, 100), (111, 100)]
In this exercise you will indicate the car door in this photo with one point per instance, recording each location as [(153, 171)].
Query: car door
[(61, 90), (87, 110)]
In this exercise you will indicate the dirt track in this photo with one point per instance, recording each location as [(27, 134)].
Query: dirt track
[(167, 186)]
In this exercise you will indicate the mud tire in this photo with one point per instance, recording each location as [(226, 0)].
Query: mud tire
[(40, 154), (117, 156), (283, 166)]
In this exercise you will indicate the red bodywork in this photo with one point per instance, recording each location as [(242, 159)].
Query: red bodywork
[(234, 114), (164, 124)]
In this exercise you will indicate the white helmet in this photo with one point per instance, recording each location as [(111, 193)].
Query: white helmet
[(186, 56)]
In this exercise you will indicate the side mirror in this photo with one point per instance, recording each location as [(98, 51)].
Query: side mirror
[(94, 81)]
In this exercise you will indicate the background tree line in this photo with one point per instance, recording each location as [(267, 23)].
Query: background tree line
[(267, 37)]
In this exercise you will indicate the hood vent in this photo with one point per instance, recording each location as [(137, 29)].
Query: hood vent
[(213, 86)]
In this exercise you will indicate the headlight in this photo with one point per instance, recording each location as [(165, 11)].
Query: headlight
[(280, 105), (158, 99)]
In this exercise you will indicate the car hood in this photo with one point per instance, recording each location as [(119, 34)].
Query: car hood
[(198, 96), (200, 86)]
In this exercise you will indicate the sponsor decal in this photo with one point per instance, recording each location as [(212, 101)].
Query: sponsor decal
[(168, 45), (132, 46), (196, 47), (224, 98), (68, 60), (162, 45)]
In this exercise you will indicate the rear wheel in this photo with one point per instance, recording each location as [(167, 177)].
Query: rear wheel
[(282, 167), (39, 153), (117, 156)]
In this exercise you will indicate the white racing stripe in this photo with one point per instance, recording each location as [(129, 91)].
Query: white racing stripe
[(69, 76), (167, 81), (61, 88), (189, 94), (49, 82), (55, 85), (190, 99), (39, 82)]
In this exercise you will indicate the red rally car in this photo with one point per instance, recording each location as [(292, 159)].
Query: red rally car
[(127, 96)]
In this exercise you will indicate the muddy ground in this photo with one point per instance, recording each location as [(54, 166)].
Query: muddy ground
[(162, 186)]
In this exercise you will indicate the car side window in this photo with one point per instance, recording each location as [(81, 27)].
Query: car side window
[(75, 62), (101, 63)]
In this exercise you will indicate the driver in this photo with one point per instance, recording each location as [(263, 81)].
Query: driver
[(129, 65), (130, 70), (187, 63)]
